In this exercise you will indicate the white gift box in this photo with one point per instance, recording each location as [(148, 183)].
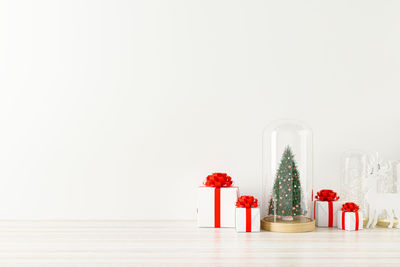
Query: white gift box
[(324, 214), (209, 209), (350, 220), (241, 222)]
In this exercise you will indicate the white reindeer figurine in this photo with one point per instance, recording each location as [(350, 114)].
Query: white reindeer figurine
[(379, 202)]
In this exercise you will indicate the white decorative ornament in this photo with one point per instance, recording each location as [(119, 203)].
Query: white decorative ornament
[(354, 166), (379, 202)]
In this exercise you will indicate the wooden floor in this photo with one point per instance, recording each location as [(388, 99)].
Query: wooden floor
[(130, 243)]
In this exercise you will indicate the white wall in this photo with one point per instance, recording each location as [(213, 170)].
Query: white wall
[(119, 109)]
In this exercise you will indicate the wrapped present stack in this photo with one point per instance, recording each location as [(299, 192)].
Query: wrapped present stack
[(216, 202), (326, 207), (219, 206), (349, 217), (247, 215)]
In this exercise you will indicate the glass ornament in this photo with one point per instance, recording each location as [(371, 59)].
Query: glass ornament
[(354, 164), (287, 177)]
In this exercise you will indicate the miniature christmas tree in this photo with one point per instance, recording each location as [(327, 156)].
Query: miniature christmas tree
[(286, 196)]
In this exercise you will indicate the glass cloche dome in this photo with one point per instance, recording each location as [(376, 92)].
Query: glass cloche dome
[(287, 177)]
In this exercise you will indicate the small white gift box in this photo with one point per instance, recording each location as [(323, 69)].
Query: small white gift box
[(350, 221), (325, 213), (247, 220), (216, 206)]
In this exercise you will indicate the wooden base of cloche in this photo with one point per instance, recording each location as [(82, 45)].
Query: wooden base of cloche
[(297, 225)]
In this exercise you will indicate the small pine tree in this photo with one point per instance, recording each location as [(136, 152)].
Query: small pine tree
[(286, 197)]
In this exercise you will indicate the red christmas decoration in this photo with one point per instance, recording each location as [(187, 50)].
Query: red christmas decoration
[(327, 195), (247, 202), (350, 207), (218, 180)]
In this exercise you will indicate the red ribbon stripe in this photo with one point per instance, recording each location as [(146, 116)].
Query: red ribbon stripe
[(343, 220), (248, 219), (357, 220), (330, 218), (217, 207)]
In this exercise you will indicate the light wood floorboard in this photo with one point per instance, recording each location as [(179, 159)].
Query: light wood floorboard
[(137, 243)]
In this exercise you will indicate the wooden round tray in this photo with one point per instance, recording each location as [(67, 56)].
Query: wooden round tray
[(297, 225)]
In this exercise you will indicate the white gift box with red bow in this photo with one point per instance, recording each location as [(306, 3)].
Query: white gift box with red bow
[(325, 213), (326, 207), (247, 220), (216, 201), (216, 206), (247, 214), (350, 221)]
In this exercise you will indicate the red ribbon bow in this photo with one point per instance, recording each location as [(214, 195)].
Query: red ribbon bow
[(350, 207), (327, 195), (247, 202), (218, 180)]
